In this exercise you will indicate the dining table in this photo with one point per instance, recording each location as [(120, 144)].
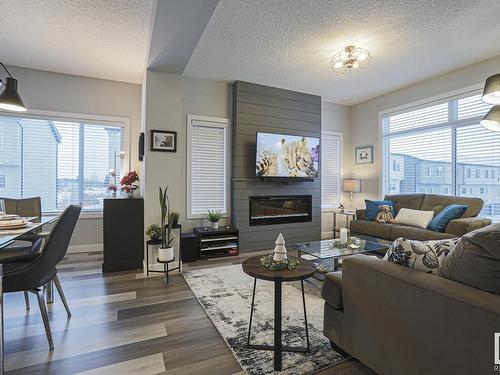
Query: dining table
[(7, 237)]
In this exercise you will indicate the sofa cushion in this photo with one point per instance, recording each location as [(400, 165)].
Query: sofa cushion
[(423, 256), (414, 233), (415, 218), (475, 261), (372, 208), (371, 228), (436, 203), (449, 213), (332, 289), (413, 201)]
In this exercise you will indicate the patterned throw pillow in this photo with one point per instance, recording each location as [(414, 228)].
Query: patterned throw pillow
[(424, 256)]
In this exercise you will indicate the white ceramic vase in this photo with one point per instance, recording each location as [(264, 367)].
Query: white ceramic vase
[(166, 254), (215, 225)]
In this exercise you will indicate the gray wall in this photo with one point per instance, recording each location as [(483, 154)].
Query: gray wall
[(365, 117), (57, 92), (258, 108)]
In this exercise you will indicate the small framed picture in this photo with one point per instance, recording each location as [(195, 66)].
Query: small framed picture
[(162, 140), (364, 154)]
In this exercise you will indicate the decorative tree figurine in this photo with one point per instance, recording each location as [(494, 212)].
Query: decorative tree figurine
[(280, 250)]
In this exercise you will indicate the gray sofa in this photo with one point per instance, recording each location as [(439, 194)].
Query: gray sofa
[(427, 202), (400, 321)]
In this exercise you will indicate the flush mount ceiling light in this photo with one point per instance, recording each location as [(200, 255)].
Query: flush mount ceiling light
[(491, 92), (9, 98), (349, 59)]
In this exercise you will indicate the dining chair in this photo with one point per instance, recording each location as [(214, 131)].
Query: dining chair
[(29, 243), (29, 273)]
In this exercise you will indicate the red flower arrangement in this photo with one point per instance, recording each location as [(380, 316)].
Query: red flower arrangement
[(128, 180), (112, 188)]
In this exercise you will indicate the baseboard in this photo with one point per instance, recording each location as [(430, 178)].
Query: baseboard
[(85, 248)]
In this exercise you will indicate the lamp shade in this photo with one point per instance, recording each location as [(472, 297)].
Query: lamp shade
[(10, 99), (352, 185), (491, 120), (491, 92)]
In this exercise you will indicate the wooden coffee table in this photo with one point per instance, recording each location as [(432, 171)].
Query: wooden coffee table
[(254, 268)]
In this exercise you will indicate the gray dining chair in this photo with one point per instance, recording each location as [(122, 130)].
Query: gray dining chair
[(29, 273)]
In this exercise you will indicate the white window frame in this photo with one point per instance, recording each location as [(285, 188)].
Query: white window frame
[(218, 122), (435, 100), (341, 167), (122, 122)]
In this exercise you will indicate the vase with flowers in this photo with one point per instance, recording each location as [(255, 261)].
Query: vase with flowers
[(112, 190), (128, 183)]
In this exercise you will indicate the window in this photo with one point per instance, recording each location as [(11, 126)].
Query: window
[(443, 137), (63, 162), (3, 181), (331, 176), (208, 166)]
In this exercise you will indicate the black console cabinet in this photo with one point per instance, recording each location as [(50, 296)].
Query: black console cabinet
[(123, 234)]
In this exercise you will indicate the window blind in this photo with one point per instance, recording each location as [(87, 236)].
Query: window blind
[(208, 179), (442, 149), (61, 162), (331, 144)]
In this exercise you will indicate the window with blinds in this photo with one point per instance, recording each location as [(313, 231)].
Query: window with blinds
[(208, 166), (442, 149), (331, 144), (61, 162)]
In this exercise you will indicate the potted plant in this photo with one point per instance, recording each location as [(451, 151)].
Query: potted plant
[(112, 189), (214, 217), (128, 183), (166, 251), (154, 233)]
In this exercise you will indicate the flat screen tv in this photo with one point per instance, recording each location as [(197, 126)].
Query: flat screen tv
[(287, 156)]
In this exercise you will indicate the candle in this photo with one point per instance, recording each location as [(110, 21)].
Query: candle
[(343, 235)]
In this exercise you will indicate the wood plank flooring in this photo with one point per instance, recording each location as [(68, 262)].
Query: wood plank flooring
[(122, 323)]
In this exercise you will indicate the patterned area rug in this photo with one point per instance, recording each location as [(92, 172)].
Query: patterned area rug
[(226, 295)]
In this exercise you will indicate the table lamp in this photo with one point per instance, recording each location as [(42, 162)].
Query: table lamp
[(351, 186)]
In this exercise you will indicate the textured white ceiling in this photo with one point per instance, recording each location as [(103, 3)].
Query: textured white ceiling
[(289, 43), (95, 38)]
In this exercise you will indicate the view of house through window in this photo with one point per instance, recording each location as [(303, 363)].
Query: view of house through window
[(62, 162), (442, 149)]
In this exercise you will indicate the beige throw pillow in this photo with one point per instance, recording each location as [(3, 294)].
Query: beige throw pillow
[(414, 218)]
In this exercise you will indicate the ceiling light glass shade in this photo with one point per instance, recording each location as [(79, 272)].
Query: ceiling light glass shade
[(349, 59), (491, 92), (10, 99), (491, 120)]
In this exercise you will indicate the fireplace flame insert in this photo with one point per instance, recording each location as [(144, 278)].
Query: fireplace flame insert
[(281, 209)]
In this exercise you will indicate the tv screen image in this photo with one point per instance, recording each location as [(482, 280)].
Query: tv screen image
[(280, 155)]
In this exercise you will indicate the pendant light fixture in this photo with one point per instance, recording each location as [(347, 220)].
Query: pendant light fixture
[(491, 120), (491, 92), (9, 98)]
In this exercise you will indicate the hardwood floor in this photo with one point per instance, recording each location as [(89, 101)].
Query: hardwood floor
[(122, 323)]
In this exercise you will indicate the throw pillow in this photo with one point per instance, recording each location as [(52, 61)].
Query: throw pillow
[(372, 209), (422, 256), (475, 261), (449, 213), (415, 218)]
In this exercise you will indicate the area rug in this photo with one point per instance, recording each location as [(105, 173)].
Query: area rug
[(226, 295)]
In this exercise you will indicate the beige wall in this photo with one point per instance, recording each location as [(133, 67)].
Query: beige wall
[(335, 117), (169, 98), (56, 92), (364, 117)]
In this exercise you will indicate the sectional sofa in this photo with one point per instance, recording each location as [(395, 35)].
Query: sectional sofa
[(427, 202)]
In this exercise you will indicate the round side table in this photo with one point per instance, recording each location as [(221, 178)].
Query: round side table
[(254, 268)]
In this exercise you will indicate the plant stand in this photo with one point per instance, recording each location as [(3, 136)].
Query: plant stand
[(155, 243), (166, 270)]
